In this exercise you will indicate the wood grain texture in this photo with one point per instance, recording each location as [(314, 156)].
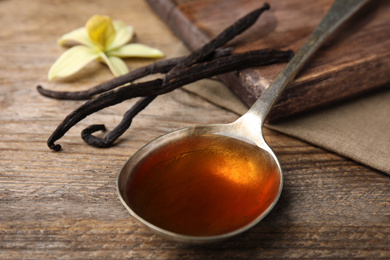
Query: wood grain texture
[(64, 205), (354, 61)]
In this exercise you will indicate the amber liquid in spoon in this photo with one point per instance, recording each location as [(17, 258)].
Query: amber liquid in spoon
[(204, 185)]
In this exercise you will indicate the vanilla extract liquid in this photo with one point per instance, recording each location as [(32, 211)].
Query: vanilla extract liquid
[(204, 185)]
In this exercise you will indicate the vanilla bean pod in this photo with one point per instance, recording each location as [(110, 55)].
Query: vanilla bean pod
[(161, 86), (111, 137), (158, 67), (225, 36), (198, 65), (107, 99)]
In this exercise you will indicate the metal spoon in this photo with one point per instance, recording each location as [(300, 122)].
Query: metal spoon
[(166, 202)]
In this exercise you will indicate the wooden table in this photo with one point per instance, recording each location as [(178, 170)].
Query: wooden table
[(64, 205)]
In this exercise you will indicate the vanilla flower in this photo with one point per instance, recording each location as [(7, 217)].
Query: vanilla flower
[(103, 40)]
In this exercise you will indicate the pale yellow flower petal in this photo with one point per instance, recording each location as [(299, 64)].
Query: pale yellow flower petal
[(137, 50), (117, 66), (118, 25), (101, 31), (123, 35), (78, 36), (72, 61)]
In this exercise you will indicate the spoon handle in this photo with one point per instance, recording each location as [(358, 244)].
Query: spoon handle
[(340, 11)]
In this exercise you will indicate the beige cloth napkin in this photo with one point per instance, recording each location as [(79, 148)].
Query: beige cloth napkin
[(358, 129)]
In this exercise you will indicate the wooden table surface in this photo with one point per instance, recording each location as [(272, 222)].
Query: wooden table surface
[(64, 205)]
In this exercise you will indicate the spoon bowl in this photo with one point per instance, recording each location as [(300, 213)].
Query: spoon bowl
[(211, 182), (202, 184)]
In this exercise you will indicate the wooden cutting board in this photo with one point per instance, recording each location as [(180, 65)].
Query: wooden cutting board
[(356, 59)]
